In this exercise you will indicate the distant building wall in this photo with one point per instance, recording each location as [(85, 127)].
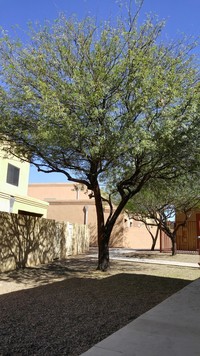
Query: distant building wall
[(138, 237), (58, 191), (65, 204)]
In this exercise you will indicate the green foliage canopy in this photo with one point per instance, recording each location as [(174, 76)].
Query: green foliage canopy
[(77, 94), (101, 104)]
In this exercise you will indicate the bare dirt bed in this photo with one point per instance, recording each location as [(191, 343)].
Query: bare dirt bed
[(74, 306)]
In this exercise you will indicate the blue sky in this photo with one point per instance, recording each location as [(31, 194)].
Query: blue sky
[(182, 16)]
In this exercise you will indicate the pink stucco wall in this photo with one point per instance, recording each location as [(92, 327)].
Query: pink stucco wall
[(57, 191), (65, 204)]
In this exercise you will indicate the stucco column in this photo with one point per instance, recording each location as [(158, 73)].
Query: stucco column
[(85, 209)]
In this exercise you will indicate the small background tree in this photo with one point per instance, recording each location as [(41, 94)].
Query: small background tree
[(157, 205)]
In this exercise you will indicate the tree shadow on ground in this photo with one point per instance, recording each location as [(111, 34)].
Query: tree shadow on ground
[(43, 274), (69, 317), (83, 266)]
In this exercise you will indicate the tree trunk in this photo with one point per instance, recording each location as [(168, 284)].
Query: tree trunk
[(104, 230), (103, 257), (153, 245), (103, 239), (173, 246), (154, 239)]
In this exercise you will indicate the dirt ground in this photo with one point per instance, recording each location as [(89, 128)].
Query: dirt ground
[(66, 307), (84, 266)]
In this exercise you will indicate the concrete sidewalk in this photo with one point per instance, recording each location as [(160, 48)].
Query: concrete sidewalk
[(171, 328), (152, 261), (118, 254), (156, 261)]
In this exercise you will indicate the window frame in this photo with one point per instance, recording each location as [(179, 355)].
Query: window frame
[(13, 175)]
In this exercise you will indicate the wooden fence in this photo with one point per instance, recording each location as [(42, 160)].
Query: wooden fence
[(186, 239)]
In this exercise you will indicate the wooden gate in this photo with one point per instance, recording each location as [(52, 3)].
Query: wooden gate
[(198, 231), (165, 242), (186, 238)]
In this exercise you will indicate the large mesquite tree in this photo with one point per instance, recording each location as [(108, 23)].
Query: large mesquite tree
[(100, 103)]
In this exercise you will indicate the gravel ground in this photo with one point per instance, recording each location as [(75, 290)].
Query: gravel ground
[(74, 306)]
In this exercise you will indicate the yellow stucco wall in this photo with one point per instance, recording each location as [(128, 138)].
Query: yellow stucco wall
[(24, 167), (14, 198)]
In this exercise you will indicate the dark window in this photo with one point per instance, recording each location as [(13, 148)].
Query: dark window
[(23, 212), (12, 175)]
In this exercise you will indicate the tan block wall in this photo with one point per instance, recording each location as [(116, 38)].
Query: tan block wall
[(29, 241), (73, 211)]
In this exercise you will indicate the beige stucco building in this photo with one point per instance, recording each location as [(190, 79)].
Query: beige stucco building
[(71, 202), (14, 177)]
